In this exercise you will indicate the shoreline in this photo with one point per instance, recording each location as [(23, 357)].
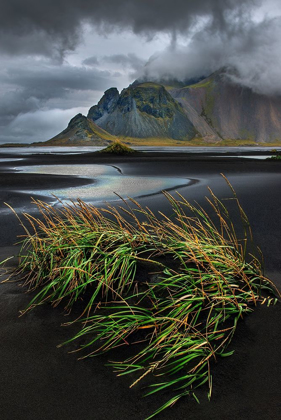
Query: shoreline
[(143, 143)]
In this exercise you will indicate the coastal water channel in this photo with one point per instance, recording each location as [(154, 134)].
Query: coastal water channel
[(242, 150)]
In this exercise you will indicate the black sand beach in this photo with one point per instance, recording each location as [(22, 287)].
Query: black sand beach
[(40, 381)]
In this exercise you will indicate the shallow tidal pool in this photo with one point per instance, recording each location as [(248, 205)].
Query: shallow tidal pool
[(107, 182)]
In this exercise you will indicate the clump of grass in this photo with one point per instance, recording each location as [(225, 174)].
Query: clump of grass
[(118, 148), (74, 248), (181, 315)]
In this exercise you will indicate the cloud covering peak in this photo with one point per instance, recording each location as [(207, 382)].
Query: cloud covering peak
[(253, 49)]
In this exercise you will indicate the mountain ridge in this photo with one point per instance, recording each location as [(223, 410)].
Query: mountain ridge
[(212, 110)]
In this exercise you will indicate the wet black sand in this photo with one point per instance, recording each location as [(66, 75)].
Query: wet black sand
[(39, 381)]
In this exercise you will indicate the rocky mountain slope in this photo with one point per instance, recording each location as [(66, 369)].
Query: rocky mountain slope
[(141, 111), (81, 131), (230, 110)]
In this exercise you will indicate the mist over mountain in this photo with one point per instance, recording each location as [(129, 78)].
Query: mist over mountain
[(238, 39)]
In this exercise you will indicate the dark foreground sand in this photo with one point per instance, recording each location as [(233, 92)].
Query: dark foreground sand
[(39, 381)]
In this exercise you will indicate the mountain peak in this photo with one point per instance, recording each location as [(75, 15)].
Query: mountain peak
[(142, 110), (106, 104), (79, 118)]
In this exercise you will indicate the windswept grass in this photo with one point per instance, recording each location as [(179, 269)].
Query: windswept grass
[(171, 288)]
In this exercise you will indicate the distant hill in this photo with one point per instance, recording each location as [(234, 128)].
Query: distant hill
[(81, 131), (212, 110)]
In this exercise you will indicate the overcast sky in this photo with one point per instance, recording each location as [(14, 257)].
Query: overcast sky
[(58, 57)]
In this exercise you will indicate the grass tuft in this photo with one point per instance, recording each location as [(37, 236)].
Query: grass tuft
[(117, 148), (171, 288)]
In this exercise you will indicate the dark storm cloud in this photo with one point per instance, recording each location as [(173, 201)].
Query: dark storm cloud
[(222, 33), (27, 85), (54, 81), (54, 26)]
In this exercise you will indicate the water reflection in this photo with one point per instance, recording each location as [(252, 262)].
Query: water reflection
[(11, 159), (107, 182)]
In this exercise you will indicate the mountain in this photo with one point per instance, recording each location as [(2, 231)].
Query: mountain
[(212, 110), (230, 110), (81, 131), (140, 111)]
